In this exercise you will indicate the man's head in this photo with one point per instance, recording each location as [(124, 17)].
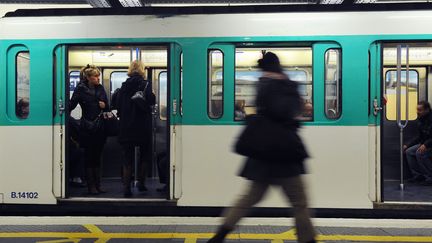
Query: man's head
[(423, 108)]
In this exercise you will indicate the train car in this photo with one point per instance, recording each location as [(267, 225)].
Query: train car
[(361, 72)]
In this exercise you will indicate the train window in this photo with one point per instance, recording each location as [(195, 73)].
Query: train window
[(22, 108), (333, 84), (116, 80), (74, 78), (181, 84), (163, 95), (390, 91), (215, 83), (296, 64), (54, 95)]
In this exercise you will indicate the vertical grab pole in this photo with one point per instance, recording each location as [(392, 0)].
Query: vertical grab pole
[(401, 124), (398, 110)]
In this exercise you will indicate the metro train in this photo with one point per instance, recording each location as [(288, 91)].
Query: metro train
[(203, 66)]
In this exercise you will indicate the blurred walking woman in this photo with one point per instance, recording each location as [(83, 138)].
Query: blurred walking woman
[(278, 103), (135, 124), (91, 96)]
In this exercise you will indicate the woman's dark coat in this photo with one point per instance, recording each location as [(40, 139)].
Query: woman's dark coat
[(135, 122), (88, 98), (278, 99)]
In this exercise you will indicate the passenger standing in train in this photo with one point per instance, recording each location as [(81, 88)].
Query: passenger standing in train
[(284, 172), (135, 125), (419, 150), (91, 96)]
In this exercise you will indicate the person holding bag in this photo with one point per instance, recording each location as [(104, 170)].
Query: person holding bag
[(91, 96), (266, 135), (134, 103)]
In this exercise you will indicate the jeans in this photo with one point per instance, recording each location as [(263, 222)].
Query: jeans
[(420, 164)]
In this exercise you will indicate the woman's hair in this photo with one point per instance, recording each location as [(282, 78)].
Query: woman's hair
[(88, 71), (270, 63), (136, 68)]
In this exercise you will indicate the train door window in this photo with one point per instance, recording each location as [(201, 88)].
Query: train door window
[(390, 92), (181, 83), (116, 80), (296, 63), (163, 91), (215, 84), (22, 108), (333, 85), (74, 79)]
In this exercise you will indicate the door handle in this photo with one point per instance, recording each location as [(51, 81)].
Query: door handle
[(376, 107), (174, 107), (61, 107)]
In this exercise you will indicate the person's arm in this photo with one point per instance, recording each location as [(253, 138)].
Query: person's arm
[(415, 140), (428, 142), (103, 98)]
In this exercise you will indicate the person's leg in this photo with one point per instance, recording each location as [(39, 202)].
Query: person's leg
[(89, 169), (97, 165), (415, 168), (295, 192), (129, 153), (145, 161), (253, 195), (75, 167), (425, 163)]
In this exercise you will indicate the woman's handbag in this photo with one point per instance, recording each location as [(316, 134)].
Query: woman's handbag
[(110, 124), (269, 140), (139, 97), (91, 126)]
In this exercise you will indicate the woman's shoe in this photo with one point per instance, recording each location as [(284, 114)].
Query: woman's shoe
[(100, 190), (92, 190), (91, 185)]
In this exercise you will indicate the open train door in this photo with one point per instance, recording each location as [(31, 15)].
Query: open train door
[(176, 112), (375, 102), (59, 131), (405, 75)]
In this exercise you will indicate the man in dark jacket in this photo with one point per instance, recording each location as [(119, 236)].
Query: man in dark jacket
[(419, 151)]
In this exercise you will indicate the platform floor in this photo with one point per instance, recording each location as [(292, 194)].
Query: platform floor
[(198, 230)]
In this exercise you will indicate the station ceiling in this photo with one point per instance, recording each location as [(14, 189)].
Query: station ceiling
[(144, 3)]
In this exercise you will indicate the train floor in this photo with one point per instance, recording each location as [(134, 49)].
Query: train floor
[(114, 189), (413, 192), (199, 230)]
